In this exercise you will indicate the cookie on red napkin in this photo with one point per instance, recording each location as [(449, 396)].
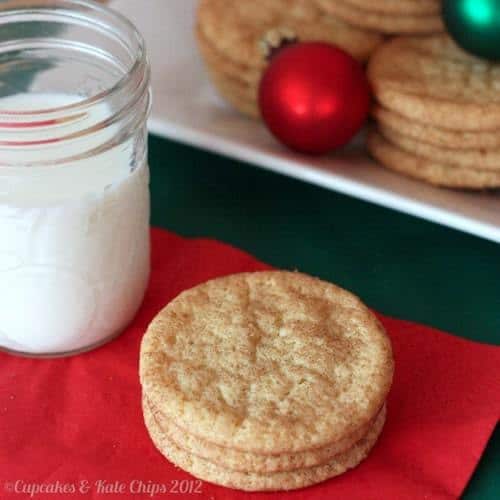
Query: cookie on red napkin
[(76, 424)]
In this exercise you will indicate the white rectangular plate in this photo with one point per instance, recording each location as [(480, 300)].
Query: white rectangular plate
[(187, 109)]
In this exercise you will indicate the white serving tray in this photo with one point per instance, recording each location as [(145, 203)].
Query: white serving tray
[(187, 109)]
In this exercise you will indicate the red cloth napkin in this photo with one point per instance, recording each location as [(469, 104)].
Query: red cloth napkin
[(73, 428)]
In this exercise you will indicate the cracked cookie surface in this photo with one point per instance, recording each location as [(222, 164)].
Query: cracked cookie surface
[(398, 6), (267, 362), (387, 17), (431, 80), (236, 29)]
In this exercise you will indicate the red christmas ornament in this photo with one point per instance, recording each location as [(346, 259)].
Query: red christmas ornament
[(314, 97)]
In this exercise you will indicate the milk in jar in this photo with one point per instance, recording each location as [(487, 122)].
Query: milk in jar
[(74, 183)]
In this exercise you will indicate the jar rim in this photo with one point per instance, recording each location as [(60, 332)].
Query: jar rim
[(22, 7), (119, 106)]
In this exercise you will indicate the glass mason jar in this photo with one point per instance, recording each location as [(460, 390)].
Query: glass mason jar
[(74, 179)]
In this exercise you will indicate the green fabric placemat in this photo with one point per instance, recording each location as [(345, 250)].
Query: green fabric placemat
[(400, 265)]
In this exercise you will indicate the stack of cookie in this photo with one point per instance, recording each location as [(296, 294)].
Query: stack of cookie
[(438, 112), (231, 34), (265, 381), (388, 16)]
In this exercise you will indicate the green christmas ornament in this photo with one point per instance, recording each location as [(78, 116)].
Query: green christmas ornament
[(475, 26)]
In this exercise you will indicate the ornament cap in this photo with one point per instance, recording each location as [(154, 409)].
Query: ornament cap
[(275, 40)]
